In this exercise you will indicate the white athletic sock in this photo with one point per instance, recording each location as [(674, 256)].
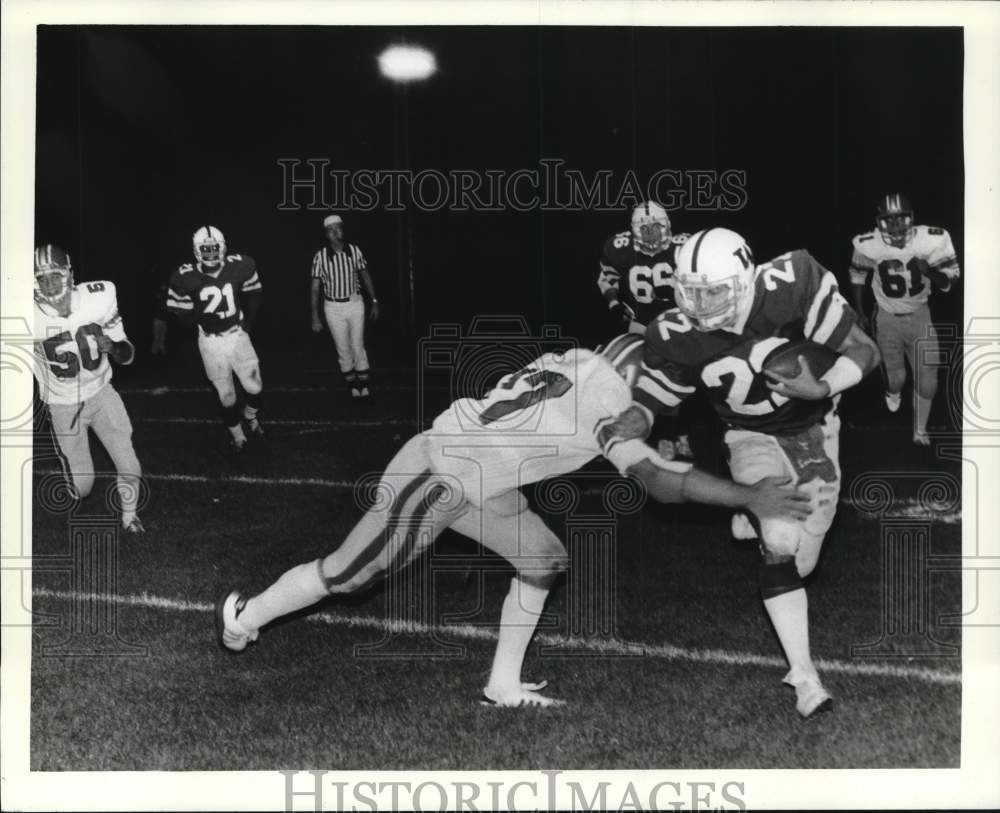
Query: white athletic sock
[(789, 613), (249, 412), (237, 432), (128, 493), (521, 609), (921, 412), (296, 589)]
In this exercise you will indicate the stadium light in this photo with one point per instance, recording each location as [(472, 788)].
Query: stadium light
[(406, 63)]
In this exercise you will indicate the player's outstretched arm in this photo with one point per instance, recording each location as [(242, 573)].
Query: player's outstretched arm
[(769, 497)]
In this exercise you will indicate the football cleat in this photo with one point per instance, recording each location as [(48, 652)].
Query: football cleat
[(921, 438), (355, 392), (893, 401), (519, 696), (231, 633), (238, 446), (810, 696), (135, 527), (365, 392)]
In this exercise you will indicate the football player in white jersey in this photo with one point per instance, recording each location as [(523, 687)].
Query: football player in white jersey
[(464, 473), (77, 328), (904, 263)]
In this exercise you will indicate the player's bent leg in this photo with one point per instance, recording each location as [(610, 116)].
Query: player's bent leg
[(509, 529), (753, 456), (73, 447), (410, 509)]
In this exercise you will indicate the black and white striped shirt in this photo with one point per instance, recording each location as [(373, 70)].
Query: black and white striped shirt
[(338, 271)]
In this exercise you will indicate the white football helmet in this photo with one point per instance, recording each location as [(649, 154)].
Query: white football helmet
[(209, 247), (53, 274), (713, 283), (650, 228)]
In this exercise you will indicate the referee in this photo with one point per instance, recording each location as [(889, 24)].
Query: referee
[(338, 271)]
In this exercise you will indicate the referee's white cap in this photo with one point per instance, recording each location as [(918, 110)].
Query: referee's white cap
[(330, 220)]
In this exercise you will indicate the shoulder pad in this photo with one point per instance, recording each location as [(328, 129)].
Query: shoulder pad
[(933, 231), (680, 239), (185, 269), (235, 258), (863, 238)]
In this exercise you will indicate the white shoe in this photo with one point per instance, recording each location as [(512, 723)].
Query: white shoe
[(231, 633), (893, 400), (810, 695), (921, 438), (524, 695), (135, 528), (742, 528)]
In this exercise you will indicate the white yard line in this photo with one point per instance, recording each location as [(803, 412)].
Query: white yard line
[(661, 651)]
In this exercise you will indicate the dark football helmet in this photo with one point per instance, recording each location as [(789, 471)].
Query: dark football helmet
[(894, 218)]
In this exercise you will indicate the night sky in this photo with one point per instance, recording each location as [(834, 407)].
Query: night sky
[(145, 133)]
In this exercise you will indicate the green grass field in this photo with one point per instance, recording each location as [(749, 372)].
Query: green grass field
[(691, 678)]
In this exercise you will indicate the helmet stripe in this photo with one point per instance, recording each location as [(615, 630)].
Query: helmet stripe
[(694, 251)]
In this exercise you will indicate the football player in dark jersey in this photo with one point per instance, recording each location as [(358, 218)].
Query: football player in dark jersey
[(636, 279), (221, 293), (731, 314), (637, 267)]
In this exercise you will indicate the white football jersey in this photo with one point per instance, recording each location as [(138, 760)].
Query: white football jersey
[(550, 418), (898, 285), (68, 364)]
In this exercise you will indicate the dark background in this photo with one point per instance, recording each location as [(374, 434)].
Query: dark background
[(145, 133)]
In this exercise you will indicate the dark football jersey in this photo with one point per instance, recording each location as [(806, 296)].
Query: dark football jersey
[(214, 301), (644, 283), (794, 298)]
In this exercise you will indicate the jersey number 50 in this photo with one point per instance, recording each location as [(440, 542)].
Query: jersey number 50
[(66, 364)]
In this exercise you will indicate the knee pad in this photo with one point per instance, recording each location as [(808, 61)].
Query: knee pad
[(779, 537), (778, 575)]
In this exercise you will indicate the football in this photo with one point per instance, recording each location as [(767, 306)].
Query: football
[(784, 360)]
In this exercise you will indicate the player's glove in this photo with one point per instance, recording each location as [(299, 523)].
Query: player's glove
[(621, 312)]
